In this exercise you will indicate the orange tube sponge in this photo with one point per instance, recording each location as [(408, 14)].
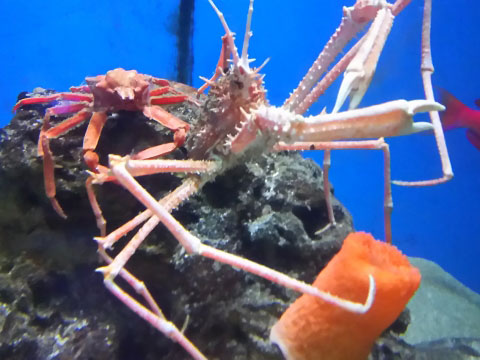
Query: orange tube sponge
[(312, 329)]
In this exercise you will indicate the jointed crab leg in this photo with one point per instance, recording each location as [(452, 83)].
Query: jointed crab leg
[(427, 70), (321, 132), (166, 327), (116, 266), (378, 144), (350, 25), (172, 200), (359, 73), (46, 133), (355, 18), (147, 167), (193, 245), (50, 98), (135, 283)]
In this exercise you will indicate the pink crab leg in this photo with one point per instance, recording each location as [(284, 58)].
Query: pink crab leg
[(44, 151), (90, 142), (134, 283), (65, 125), (81, 115), (97, 211), (393, 118), (427, 70), (91, 138), (47, 99), (193, 245), (359, 73), (165, 90), (399, 6), (48, 176), (166, 327), (378, 144), (326, 81), (166, 100), (355, 18), (170, 121), (188, 187), (91, 158), (147, 167), (156, 319)]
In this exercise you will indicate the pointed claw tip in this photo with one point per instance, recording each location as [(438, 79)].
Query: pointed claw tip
[(416, 106)]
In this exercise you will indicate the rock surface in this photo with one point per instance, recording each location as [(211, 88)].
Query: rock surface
[(442, 307)]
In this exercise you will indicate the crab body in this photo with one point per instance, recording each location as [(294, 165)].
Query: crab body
[(120, 89)]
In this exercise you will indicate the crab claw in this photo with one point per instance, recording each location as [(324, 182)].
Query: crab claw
[(354, 84), (420, 106), (361, 69)]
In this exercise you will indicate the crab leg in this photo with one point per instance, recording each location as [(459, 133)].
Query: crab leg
[(193, 245), (90, 142), (393, 118), (135, 283), (166, 327), (427, 70), (359, 72), (92, 137), (155, 318), (50, 98), (179, 127), (147, 167), (320, 132), (354, 19), (46, 134), (48, 176), (324, 84), (378, 144), (170, 201)]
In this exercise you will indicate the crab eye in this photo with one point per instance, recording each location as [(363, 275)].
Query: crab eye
[(241, 70)]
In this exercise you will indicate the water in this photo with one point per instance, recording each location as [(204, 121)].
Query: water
[(56, 46)]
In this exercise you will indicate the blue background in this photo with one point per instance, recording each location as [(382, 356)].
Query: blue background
[(55, 45)]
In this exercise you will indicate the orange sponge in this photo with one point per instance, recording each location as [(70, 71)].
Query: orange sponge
[(313, 329)]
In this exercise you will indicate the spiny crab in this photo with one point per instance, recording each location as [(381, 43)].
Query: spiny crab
[(236, 124)]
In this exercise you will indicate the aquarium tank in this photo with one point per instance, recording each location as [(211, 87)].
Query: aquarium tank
[(55, 45)]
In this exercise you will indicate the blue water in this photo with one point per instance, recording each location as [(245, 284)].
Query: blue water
[(52, 46)]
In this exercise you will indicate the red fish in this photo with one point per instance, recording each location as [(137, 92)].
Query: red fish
[(459, 115)]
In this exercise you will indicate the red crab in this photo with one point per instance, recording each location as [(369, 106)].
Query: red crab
[(118, 90)]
